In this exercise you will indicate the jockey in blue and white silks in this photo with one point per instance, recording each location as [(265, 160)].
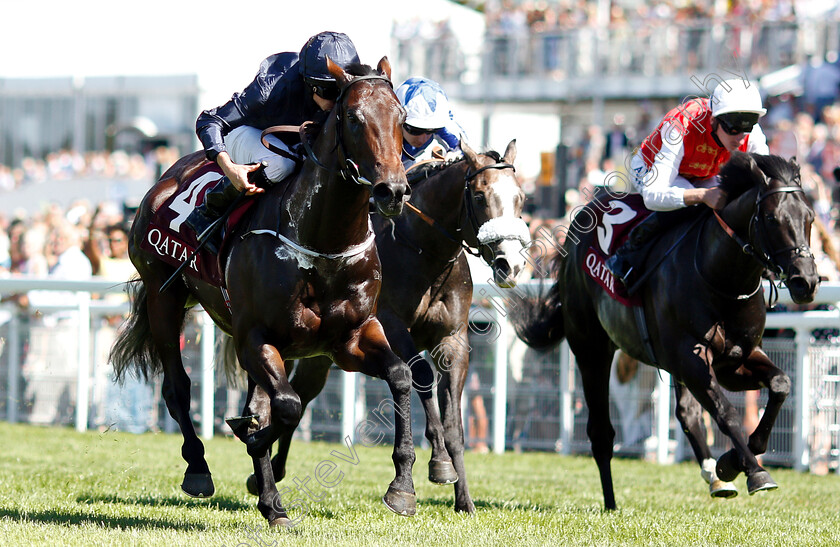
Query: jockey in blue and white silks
[(430, 126)]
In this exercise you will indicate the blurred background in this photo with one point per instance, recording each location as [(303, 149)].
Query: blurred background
[(97, 98)]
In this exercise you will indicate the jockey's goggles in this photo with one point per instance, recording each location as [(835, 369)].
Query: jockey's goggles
[(734, 123), (417, 131), (327, 92)]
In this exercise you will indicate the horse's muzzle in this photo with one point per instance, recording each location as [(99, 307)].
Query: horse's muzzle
[(803, 281), (389, 196)]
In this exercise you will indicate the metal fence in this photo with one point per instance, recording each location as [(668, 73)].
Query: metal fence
[(515, 398)]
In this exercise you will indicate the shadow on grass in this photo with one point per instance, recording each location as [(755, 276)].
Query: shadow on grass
[(506, 505), (76, 519), (216, 502)]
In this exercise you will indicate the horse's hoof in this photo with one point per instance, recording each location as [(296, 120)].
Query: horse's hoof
[(198, 485), (726, 467), (251, 485), (401, 503), (722, 489), (280, 522), (760, 481), (442, 472)]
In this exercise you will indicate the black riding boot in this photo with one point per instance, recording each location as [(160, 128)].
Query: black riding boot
[(216, 202), (625, 263)]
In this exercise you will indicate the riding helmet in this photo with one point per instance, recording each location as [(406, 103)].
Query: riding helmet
[(313, 56), (426, 105)]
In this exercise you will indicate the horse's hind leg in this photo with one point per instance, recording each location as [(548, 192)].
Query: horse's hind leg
[(166, 311), (449, 395), (594, 355), (690, 415), (308, 380), (757, 371)]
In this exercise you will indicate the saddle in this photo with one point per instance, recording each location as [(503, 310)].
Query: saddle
[(170, 239), (615, 218)]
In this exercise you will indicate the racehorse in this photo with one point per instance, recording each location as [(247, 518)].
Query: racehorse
[(704, 310), (303, 277), (427, 292)]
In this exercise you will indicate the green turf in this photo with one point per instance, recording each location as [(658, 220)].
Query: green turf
[(59, 487)]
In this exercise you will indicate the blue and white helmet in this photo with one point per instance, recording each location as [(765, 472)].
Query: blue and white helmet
[(426, 105)]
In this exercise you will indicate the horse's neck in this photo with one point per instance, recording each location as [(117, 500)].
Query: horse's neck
[(720, 259), (442, 199)]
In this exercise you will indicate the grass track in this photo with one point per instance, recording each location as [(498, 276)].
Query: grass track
[(59, 487)]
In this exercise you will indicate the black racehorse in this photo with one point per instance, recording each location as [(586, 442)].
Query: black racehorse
[(704, 311), (427, 292), (303, 277)]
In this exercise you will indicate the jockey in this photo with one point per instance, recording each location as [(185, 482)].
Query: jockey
[(677, 165), (428, 122), (289, 89)]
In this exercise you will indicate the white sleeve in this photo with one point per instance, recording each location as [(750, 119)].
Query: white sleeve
[(662, 188), (758, 141)]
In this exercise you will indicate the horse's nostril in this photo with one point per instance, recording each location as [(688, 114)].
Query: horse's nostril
[(382, 192)]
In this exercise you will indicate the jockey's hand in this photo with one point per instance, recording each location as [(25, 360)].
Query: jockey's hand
[(238, 173), (714, 198)]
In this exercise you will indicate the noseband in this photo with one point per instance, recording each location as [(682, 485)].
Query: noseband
[(484, 237)]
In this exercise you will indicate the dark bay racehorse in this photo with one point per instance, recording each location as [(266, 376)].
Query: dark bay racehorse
[(303, 277), (704, 308), (427, 292)]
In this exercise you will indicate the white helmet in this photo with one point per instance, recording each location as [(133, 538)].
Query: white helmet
[(425, 103), (736, 95)]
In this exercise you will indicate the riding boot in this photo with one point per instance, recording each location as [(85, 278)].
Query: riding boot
[(216, 202), (625, 263)]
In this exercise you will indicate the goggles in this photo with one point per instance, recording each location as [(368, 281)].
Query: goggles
[(734, 123), (417, 131), (329, 92)]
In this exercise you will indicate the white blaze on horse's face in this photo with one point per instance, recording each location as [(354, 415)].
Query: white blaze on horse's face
[(506, 233)]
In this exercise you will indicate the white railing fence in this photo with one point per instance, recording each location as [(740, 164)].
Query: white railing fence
[(53, 369)]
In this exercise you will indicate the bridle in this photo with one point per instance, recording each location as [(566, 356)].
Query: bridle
[(757, 231), (349, 169), (468, 210), (763, 252)]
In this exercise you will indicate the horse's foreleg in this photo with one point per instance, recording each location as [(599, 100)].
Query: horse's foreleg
[(449, 394), (759, 371), (266, 369), (270, 503), (168, 312), (690, 415), (704, 385), (372, 355), (441, 470), (308, 380)]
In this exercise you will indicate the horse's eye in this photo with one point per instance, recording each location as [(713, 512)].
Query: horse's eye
[(480, 199)]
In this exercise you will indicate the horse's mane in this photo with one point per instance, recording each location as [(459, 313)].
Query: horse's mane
[(427, 169), (739, 174), (359, 69)]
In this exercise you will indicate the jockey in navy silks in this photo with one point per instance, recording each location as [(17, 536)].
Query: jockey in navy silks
[(289, 89)]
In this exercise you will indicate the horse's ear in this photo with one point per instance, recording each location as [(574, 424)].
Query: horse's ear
[(756, 171), (510, 152), (469, 153), (384, 67), (337, 72)]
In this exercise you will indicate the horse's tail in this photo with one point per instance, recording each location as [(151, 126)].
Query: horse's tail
[(134, 346), (233, 372), (538, 321)]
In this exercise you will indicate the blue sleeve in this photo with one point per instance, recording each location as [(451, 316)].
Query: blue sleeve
[(213, 124)]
